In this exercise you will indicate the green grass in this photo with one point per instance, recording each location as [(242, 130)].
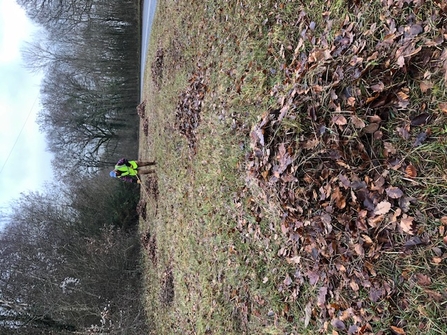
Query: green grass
[(223, 232)]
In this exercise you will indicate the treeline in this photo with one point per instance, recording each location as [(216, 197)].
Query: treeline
[(70, 255), (89, 53)]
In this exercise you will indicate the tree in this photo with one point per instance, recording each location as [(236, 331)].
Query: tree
[(58, 15), (62, 274), (70, 258), (90, 88)]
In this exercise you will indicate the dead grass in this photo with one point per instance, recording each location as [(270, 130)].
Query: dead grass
[(228, 258)]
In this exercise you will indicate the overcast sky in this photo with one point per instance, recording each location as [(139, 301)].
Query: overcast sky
[(25, 165)]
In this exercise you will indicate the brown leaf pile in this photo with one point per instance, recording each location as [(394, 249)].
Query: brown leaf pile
[(187, 114), (157, 68), (141, 111), (167, 292), (149, 243), (141, 209), (325, 154), (151, 185)]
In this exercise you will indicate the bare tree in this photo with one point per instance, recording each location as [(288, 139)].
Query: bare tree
[(62, 15), (90, 88), (60, 273), (69, 258)]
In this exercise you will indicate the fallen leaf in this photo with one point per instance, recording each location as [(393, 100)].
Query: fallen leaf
[(437, 251), (371, 269), (414, 30), (322, 296), (375, 119), (382, 207), (357, 122), (378, 183), (311, 144), (404, 132), (413, 242), (406, 224), (376, 293), (339, 120), (294, 260), (371, 128), (425, 86), (338, 324), (344, 180), (313, 277), (257, 135), (420, 119), (404, 203), (338, 197), (368, 203), (420, 139), (284, 158), (351, 101), (308, 311), (378, 87), (356, 61), (367, 240), (388, 149), (372, 98), (354, 329), (397, 330), (396, 214), (434, 295), (394, 192), (423, 280), (319, 55), (402, 96), (357, 185), (359, 250), (401, 61), (265, 174), (443, 107), (354, 286), (343, 164), (410, 171), (283, 112), (288, 281), (437, 260), (378, 135)]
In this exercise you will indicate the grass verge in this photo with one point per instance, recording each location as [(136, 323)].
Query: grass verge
[(300, 185)]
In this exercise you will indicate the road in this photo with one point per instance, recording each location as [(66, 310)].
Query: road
[(149, 7)]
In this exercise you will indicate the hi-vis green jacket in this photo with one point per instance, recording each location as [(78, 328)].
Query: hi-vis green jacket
[(127, 168)]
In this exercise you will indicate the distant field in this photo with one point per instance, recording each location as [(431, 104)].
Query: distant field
[(301, 184)]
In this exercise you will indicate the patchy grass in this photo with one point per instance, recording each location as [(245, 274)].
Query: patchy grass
[(301, 168)]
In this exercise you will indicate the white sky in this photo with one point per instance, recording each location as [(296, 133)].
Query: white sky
[(29, 164)]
